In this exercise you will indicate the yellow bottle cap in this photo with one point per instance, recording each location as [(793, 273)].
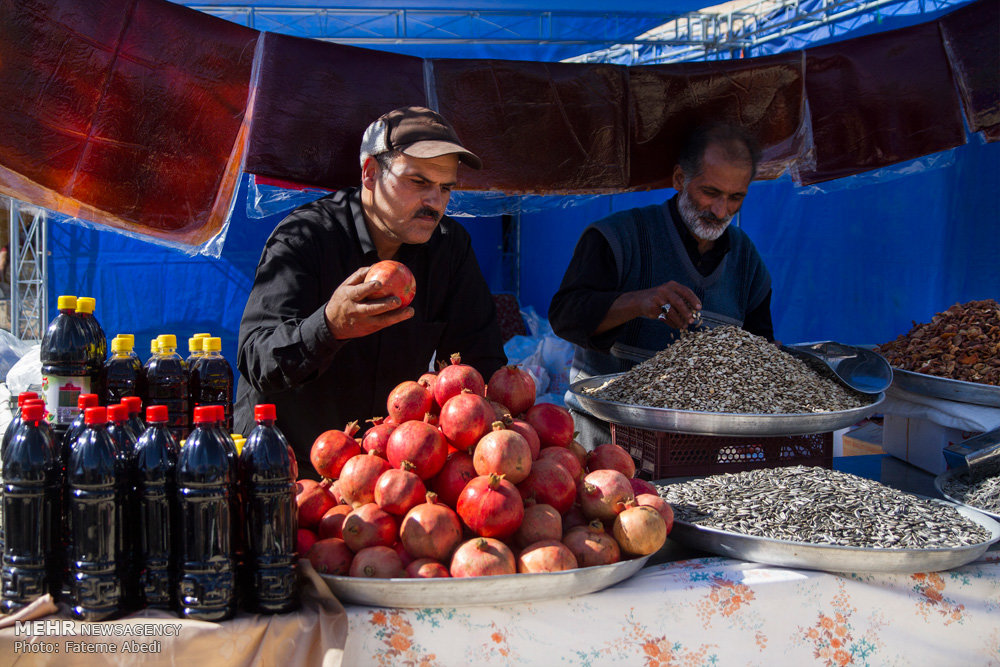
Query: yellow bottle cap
[(66, 302), (167, 341), (86, 304), (129, 337), (239, 442), (213, 344), (194, 345), (201, 335), (120, 344), (154, 346)]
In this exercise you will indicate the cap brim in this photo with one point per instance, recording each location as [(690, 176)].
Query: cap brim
[(428, 149)]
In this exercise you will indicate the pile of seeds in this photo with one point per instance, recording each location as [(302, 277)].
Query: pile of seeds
[(985, 494), (820, 506), (962, 343), (727, 369)]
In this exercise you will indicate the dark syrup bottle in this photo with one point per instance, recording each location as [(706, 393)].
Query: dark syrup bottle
[(67, 365), (167, 384)]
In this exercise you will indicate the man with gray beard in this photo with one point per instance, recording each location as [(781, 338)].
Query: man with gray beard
[(640, 276)]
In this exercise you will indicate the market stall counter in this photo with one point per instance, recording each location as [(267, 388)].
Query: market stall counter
[(684, 607)]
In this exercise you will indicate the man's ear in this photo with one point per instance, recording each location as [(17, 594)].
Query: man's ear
[(369, 172), (678, 181)]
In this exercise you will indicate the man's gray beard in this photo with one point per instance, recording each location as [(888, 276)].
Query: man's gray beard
[(698, 227)]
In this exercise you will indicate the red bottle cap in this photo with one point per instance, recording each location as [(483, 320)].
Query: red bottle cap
[(117, 413), (32, 412), (220, 412), (204, 414), (265, 412), (133, 403), (84, 401), (95, 416), (156, 414), (24, 397)]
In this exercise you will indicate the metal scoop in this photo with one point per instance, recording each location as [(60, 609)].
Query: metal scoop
[(979, 454), (860, 369)]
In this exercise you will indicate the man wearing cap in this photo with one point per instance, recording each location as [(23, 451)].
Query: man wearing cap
[(313, 341)]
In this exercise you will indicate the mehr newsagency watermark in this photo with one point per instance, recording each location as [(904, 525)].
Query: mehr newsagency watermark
[(72, 637)]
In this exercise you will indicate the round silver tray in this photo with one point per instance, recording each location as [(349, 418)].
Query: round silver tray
[(832, 558), (715, 423), (946, 388), (939, 483), (480, 591)]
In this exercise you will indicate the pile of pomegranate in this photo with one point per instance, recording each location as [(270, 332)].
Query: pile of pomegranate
[(469, 479)]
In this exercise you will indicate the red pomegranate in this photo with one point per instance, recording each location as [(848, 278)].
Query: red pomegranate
[(397, 280), (331, 450), (658, 504), (304, 539), (578, 451), (465, 418), (554, 424), (550, 483), (451, 380), (640, 530), (603, 494), (546, 556), (528, 432), (409, 400), (358, 478), (611, 457), (640, 486), (369, 526), (331, 556), (335, 492), (302, 485), (491, 506), (399, 490), (313, 503), (378, 562), (592, 545), (419, 443), (572, 518), (430, 530), (504, 452), (404, 557), (458, 471), (500, 411), (332, 523), (541, 522), (425, 568), (377, 437), (564, 457), (512, 387), (482, 557)]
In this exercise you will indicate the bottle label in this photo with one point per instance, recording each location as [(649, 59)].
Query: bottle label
[(61, 395)]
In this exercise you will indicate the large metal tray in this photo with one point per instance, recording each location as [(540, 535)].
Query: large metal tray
[(480, 591), (715, 423), (939, 483), (946, 388), (832, 558)]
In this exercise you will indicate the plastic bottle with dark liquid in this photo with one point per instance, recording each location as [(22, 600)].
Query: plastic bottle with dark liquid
[(156, 472), (85, 307), (32, 486), (12, 427), (212, 380), (125, 441), (83, 401), (16, 419), (121, 374), (195, 349), (96, 540), (206, 589), (265, 473), (67, 368), (135, 421), (167, 384)]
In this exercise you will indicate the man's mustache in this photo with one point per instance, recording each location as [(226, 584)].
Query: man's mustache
[(427, 212)]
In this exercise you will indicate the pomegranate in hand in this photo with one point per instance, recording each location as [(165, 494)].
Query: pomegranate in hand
[(397, 280)]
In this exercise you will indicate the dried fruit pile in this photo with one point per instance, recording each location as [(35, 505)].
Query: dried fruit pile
[(451, 485), (962, 343)]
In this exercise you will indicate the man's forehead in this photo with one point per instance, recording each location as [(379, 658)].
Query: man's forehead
[(442, 168)]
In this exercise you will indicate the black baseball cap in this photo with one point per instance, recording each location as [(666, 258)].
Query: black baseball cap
[(417, 132)]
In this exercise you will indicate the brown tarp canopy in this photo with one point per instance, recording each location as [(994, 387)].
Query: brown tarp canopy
[(140, 114)]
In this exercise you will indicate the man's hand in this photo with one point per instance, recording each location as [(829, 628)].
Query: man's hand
[(650, 303), (351, 314)]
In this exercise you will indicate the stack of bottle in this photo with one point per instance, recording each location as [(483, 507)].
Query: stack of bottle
[(110, 513)]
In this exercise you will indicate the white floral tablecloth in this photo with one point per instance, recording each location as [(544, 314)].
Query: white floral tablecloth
[(709, 611)]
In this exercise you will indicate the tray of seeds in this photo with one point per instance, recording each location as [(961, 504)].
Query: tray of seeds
[(728, 382), (955, 356), (982, 496), (819, 519)]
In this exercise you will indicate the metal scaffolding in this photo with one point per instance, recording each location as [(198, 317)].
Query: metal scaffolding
[(28, 270)]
